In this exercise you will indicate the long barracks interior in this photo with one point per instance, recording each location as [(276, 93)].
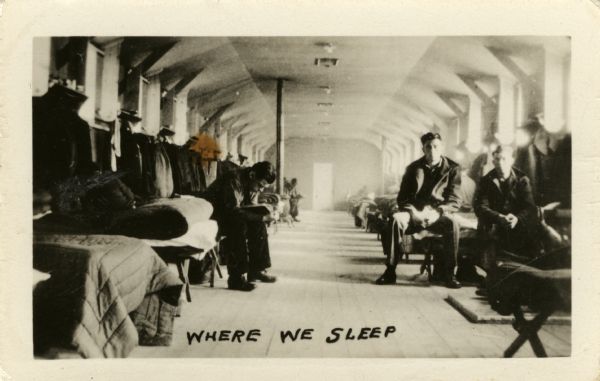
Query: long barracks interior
[(301, 197)]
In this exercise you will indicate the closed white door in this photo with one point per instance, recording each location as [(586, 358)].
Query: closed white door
[(322, 186)]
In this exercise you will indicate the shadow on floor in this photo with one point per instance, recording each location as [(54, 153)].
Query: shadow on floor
[(402, 280), (374, 260)]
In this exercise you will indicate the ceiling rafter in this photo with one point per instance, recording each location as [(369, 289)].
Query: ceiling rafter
[(155, 55), (450, 99), (181, 84), (506, 60), (471, 83), (214, 118)]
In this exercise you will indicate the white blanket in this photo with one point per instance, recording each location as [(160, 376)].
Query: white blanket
[(201, 235)]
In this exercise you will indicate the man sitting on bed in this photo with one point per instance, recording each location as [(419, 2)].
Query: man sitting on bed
[(506, 211), (428, 196), (246, 246)]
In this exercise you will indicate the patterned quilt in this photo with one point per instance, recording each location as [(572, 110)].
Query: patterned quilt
[(96, 282)]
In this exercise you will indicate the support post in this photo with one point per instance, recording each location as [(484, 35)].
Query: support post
[(279, 146), (384, 144), (506, 111)]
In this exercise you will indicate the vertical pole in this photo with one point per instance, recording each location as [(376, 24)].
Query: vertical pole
[(240, 144), (383, 162), (279, 147), (506, 111)]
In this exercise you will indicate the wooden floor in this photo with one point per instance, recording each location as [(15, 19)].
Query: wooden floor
[(326, 269)]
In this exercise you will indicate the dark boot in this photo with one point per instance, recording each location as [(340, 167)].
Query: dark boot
[(388, 277), (261, 276), (451, 281), (467, 273), (238, 282)]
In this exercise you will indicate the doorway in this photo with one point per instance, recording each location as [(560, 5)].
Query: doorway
[(322, 186)]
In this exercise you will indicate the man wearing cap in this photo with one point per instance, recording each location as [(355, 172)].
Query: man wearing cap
[(429, 194), (246, 245)]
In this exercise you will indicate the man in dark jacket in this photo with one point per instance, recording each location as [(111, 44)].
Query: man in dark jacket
[(428, 196), (246, 245), (506, 211)]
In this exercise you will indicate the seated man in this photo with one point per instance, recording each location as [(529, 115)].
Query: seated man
[(428, 195), (246, 245), (506, 212)]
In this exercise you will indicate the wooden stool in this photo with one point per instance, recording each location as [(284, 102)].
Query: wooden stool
[(544, 291), (181, 257)]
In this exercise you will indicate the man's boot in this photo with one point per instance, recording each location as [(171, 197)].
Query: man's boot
[(388, 277), (451, 281), (261, 276), (238, 282)]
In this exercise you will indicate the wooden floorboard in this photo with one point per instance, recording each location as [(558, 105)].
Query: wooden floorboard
[(326, 269)]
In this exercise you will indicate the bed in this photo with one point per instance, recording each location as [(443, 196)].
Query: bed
[(98, 286)]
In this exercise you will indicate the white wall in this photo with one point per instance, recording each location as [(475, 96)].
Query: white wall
[(355, 164)]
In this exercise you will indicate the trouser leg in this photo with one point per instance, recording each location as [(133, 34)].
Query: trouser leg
[(450, 231), (397, 228), (235, 245), (259, 257), (294, 208), (386, 238)]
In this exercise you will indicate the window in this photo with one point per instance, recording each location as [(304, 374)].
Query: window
[(519, 104), (99, 72), (143, 106)]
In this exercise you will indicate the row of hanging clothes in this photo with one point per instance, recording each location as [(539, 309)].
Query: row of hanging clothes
[(156, 168), (66, 147)]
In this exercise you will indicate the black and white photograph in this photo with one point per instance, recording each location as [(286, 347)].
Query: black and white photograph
[(301, 196), (311, 190)]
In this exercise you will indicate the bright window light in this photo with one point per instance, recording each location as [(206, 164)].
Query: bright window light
[(522, 138)]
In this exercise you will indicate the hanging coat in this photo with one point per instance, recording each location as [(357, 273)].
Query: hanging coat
[(163, 181)]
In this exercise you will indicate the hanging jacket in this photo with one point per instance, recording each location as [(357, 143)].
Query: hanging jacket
[(163, 181), (130, 160), (61, 141), (172, 153)]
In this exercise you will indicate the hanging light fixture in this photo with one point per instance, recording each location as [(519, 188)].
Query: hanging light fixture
[(327, 46), (326, 89)]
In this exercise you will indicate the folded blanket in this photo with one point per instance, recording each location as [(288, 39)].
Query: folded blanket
[(162, 219), (201, 235), (149, 221), (193, 209)]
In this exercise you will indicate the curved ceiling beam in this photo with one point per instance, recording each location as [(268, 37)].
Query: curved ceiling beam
[(471, 83), (458, 103), (142, 67), (214, 118), (508, 62), (182, 83), (227, 90)]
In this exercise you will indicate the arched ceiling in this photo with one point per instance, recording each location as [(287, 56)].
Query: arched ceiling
[(378, 81)]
